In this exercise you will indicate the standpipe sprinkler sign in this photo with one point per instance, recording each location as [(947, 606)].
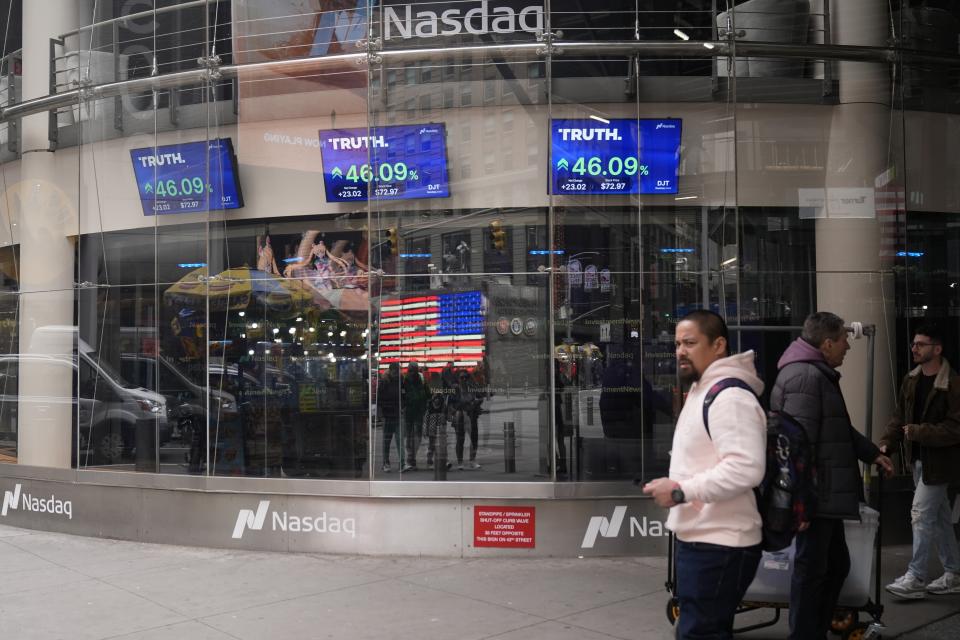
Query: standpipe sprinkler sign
[(504, 527)]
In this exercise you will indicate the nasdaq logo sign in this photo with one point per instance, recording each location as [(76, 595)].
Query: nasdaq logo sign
[(478, 18), (602, 527), (344, 26), (250, 520), (17, 499)]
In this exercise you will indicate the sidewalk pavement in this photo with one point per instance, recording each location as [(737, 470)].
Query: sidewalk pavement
[(60, 586)]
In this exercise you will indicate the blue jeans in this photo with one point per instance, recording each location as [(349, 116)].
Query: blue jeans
[(820, 567), (931, 518), (711, 581)]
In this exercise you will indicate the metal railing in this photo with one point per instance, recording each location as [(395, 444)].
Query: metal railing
[(10, 94), (724, 43), (128, 47)]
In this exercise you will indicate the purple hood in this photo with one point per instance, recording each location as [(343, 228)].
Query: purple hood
[(800, 351)]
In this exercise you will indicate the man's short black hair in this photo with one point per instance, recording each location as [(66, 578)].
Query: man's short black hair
[(931, 330), (822, 326), (709, 323)]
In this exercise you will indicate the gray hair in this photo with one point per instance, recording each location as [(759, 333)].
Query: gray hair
[(822, 326)]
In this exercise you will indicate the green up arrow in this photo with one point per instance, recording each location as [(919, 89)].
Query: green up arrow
[(148, 188), (336, 173), (563, 164)]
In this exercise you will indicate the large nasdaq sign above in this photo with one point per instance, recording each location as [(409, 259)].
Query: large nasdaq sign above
[(187, 178), (617, 157), (385, 163)]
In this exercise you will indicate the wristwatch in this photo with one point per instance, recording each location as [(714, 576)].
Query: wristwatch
[(677, 496)]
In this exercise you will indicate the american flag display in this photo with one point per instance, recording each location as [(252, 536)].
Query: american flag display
[(432, 330)]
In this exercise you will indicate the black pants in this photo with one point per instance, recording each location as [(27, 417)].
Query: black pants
[(391, 425), (821, 565), (459, 427), (711, 581)]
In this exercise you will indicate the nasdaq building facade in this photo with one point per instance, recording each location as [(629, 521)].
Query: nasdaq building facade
[(308, 271)]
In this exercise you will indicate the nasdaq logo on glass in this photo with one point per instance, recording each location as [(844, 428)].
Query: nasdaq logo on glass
[(450, 19), (345, 26), (342, 26)]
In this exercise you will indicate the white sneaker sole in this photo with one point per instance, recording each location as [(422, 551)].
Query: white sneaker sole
[(907, 595), (944, 592)]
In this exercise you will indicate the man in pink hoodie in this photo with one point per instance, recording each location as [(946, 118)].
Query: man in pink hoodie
[(713, 511)]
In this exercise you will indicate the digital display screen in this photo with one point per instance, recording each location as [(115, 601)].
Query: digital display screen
[(187, 178), (432, 330), (385, 163), (625, 156)]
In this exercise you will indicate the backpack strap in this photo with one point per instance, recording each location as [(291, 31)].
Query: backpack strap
[(715, 390)]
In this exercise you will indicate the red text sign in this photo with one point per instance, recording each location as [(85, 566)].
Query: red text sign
[(513, 527)]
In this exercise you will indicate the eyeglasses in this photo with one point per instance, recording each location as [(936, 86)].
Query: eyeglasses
[(921, 345)]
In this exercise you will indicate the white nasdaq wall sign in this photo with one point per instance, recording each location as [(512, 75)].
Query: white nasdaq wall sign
[(432, 20)]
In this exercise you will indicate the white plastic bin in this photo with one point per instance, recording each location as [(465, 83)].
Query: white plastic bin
[(772, 582)]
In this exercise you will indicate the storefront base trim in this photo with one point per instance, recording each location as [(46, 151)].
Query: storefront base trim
[(60, 501)]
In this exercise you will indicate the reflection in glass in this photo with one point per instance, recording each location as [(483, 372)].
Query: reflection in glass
[(288, 364), (461, 355)]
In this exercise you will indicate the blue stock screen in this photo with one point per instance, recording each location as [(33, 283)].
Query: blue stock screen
[(385, 163), (623, 156), (187, 178)]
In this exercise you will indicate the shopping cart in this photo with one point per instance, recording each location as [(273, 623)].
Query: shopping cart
[(770, 588)]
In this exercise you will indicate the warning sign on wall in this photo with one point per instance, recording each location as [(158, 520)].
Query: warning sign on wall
[(509, 527)]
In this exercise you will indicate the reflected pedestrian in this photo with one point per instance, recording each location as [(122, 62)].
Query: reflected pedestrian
[(388, 406), (416, 393)]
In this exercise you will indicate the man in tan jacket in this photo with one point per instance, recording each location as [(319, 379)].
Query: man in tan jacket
[(928, 423)]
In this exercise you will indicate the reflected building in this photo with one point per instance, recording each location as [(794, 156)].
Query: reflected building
[(223, 222)]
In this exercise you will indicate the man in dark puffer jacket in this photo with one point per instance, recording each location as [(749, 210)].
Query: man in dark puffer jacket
[(808, 388), (928, 421)]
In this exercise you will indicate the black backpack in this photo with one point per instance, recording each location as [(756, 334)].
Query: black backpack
[(786, 497)]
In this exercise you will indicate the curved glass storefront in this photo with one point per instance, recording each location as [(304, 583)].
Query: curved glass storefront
[(438, 248)]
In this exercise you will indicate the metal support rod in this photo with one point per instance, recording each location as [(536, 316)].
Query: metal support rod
[(440, 452), (869, 331), (528, 51), (13, 129), (509, 447), (117, 100), (52, 129), (828, 40)]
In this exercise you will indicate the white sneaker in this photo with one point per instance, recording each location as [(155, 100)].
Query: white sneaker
[(475, 465), (408, 467), (385, 468), (460, 466), (947, 583), (908, 587)]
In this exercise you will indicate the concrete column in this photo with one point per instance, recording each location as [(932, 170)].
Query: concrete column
[(48, 226), (849, 278)]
